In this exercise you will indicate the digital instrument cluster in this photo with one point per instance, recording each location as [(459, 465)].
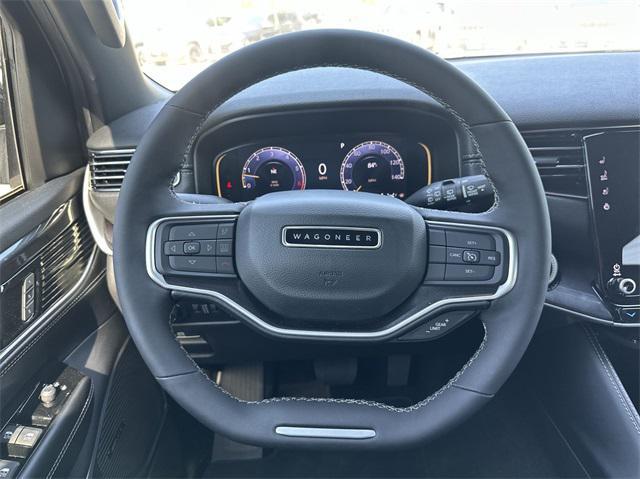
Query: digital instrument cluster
[(385, 164)]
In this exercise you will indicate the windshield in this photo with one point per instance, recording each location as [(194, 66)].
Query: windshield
[(175, 39)]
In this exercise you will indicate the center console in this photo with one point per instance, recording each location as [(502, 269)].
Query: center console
[(613, 166)]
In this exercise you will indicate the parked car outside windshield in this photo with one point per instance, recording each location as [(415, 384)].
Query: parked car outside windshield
[(175, 39)]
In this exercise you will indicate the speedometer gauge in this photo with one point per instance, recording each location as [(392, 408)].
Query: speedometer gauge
[(273, 169), (373, 166)]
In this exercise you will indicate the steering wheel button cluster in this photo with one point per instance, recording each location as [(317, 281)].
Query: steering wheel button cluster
[(192, 247), (224, 248), (200, 264), (457, 254), (207, 248), (194, 232), (463, 272), (173, 247), (491, 258), (470, 256), (196, 248), (224, 265), (463, 239), (225, 231)]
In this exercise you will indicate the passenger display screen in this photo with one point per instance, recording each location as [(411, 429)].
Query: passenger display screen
[(613, 162)]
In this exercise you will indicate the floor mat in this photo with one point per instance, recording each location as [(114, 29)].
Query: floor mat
[(511, 437)]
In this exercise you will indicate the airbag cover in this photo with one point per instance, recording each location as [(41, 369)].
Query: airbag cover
[(321, 284)]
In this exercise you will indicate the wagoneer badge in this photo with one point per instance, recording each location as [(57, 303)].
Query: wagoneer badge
[(331, 237)]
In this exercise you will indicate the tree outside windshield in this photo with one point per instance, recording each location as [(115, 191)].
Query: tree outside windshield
[(175, 39)]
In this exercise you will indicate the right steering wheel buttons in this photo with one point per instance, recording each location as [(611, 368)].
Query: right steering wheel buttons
[(464, 239), (463, 272)]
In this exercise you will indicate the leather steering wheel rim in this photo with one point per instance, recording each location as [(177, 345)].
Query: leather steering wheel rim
[(492, 141)]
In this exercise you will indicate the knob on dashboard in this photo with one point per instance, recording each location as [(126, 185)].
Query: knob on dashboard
[(622, 286)]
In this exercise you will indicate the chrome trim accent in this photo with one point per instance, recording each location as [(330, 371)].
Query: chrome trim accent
[(578, 129), (96, 231), (114, 152), (53, 310), (300, 333), (588, 317), (325, 432), (313, 227)]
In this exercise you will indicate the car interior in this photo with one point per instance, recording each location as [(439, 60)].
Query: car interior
[(281, 244)]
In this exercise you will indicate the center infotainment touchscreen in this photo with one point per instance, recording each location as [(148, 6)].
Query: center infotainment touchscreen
[(613, 162)]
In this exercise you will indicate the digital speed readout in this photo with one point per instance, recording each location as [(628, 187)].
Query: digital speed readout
[(395, 167)]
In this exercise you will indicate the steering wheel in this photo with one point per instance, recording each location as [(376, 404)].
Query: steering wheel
[(332, 265)]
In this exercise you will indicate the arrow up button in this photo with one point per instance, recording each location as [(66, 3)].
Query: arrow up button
[(194, 232)]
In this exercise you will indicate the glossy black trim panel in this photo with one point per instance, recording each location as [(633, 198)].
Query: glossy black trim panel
[(58, 255)]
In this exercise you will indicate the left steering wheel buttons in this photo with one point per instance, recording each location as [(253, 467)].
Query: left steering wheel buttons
[(173, 247), (224, 248), (194, 264)]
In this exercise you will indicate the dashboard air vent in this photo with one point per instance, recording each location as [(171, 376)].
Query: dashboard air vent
[(560, 161), (108, 169)]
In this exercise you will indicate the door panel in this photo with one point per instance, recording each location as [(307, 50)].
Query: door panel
[(58, 326)]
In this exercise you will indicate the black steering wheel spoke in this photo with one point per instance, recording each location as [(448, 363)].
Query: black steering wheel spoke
[(468, 265)]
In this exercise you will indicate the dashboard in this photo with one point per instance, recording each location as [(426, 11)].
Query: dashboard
[(390, 151), (310, 113)]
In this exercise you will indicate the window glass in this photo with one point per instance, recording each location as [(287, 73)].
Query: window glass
[(175, 39), (11, 180)]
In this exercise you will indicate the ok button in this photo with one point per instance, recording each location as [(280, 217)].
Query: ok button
[(192, 247)]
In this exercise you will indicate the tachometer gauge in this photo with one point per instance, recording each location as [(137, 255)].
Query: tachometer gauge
[(273, 169), (373, 166)]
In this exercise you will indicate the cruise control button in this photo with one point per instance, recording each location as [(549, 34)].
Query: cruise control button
[(462, 239), (454, 255), (437, 237), (193, 232), (225, 231), (437, 254), (224, 248), (173, 247), (491, 258), (463, 272), (196, 264), (470, 256), (225, 265), (192, 247), (207, 248)]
